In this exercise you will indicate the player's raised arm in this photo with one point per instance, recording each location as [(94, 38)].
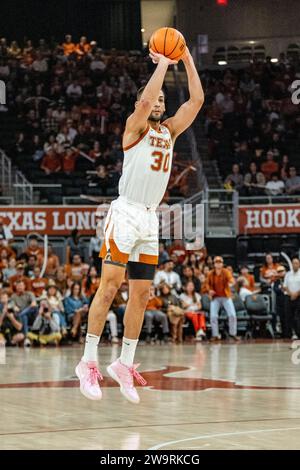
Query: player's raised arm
[(137, 122), (189, 110)]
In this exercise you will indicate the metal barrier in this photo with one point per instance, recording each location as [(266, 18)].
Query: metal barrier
[(268, 199)]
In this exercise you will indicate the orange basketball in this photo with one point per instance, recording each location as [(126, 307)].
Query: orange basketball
[(169, 42)]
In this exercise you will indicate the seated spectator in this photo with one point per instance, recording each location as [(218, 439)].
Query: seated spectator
[(19, 276), (292, 184), (188, 275), (77, 269), (152, 313), (25, 305), (284, 167), (275, 186), (75, 245), (254, 181), (30, 265), (244, 272), (178, 248), (76, 309), (162, 253), (169, 276), (243, 288), (235, 180), (191, 302), (45, 328), (91, 283), (68, 46), (34, 249), (171, 305), (55, 302), (83, 47), (69, 158), (268, 271), (270, 166), (10, 270), (40, 64), (61, 280), (10, 325), (51, 162), (52, 262), (38, 284), (74, 91)]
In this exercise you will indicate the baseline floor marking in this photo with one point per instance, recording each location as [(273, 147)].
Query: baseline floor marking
[(210, 436)]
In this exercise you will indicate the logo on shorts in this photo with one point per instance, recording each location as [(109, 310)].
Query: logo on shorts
[(108, 256)]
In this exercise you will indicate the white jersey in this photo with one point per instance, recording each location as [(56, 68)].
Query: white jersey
[(147, 166)]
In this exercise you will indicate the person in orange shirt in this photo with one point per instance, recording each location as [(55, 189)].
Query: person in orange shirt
[(76, 270), (83, 47), (91, 283), (268, 272), (52, 262), (51, 162), (20, 276), (153, 312), (33, 248), (270, 166), (220, 281), (244, 272), (69, 158), (68, 46), (38, 283)]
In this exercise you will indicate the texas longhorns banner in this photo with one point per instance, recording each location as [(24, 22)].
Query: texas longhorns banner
[(51, 220), (269, 219)]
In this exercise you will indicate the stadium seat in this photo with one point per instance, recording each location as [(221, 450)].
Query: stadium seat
[(260, 318)]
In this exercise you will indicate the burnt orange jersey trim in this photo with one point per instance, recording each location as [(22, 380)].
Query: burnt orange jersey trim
[(138, 140), (148, 259)]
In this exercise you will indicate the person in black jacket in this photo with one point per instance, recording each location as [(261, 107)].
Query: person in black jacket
[(281, 300)]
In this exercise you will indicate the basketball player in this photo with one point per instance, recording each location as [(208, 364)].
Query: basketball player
[(131, 228)]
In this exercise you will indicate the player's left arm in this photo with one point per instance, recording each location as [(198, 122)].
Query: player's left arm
[(187, 112)]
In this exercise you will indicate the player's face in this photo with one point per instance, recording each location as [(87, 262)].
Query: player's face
[(158, 109)]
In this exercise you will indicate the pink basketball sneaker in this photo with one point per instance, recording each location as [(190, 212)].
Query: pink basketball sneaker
[(89, 376), (125, 377)]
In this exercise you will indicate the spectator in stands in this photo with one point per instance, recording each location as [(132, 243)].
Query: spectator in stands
[(5, 233), (75, 245), (191, 302), (178, 248), (162, 253), (244, 272), (25, 305), (275, 186), (188, 275), (292, 184), (11, 268), (52, 262), (19, 276), (45, 328), (292, 288), (153, 312), (77, 269), (91, 283), (74, 91), (38, 284), (10, 325), (235, 180), (284, 169), (254, 181), (68, 45), (55, 303), (83, 47), (51, 162), (61, 280), (281, 301), (169, 276), (171, 305), (30, 265), (243, 289), (268, 271), (270, 166), (76, 309), (219, 282), (33, 248)]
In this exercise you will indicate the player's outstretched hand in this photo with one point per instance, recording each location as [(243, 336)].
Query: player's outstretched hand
[(160, 57)]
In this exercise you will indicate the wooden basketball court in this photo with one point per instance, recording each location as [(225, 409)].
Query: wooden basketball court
[(222, 396)]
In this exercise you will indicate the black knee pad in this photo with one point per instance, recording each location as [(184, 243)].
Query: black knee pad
[(137, 270)]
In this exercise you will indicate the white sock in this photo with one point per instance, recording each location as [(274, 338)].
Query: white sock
[(90, 349), (128, 351)]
